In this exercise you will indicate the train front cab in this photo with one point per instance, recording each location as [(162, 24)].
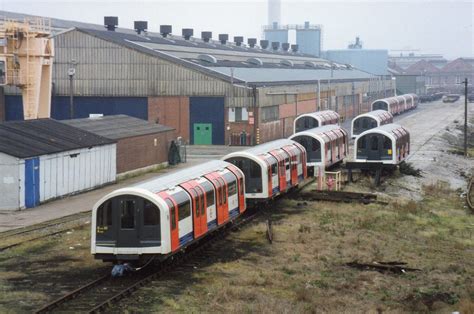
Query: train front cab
[(316, 119), (127, 225), (363, 123), (305, 122)]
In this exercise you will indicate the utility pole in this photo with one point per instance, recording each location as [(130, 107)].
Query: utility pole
[(465, 117), (71, 73)]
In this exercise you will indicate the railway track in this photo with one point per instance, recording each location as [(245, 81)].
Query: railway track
[(470, 194), (100, 293), (337, 196), (46, 229)]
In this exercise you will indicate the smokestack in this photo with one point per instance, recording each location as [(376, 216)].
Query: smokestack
[(110, 22), (274, 11)]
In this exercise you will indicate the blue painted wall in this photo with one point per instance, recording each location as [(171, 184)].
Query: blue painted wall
[(309, 41), (208, 110), (32, 192), (369, 60), (83, 106)]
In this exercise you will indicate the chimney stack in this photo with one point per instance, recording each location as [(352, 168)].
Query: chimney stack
[(140, 26), (187, 33), (111, 22), (165, 30)]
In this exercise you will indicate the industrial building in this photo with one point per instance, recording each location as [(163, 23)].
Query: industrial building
[(208, 90), (44, 159), (140, 144), (373, 61)]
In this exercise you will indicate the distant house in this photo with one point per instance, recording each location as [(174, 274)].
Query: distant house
[(140, 143), (44, 159)]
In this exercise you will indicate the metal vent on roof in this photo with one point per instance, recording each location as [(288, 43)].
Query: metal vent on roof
[(206, 36), (286, 62), (275, 45), (165, 30), (252, 42), (111, 22), (238, 40), (187, 33), (285, 46), (207, 58), (223, 38), (294, 48), (140, 26), (255, 61), (264, 43)]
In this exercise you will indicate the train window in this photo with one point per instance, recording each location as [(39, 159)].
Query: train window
[(151, 214), (184, 206), (127, 216), (374, 143), (104, 214), (225, 194), (201, 202), (210, 198), (172, 214), (287, 163), (363, 142), (274, 169), (254, 170), (232, 188), (196, 202), (387, 143)]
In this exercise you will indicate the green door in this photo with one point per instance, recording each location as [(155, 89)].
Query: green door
[(202, 133)]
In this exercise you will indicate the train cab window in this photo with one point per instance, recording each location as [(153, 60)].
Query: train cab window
[(356, 123), (232, 188), (363, 142), (374, 143), (104, 214), (387, 143), (151, 214), (254, 170), (127, 216)]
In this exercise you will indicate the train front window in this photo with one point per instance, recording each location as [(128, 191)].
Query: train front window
[(104, 214), (151, 214), (127, 217)]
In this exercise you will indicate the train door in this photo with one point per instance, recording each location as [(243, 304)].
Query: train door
[(198, 210), (128, 207), (375, 142), (240, 187), (291, 151), (173, 210), (281, 171), (202, 220), (211, 206)]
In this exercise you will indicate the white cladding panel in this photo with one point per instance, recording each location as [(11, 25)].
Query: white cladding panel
[(11, 182), (76, 170)]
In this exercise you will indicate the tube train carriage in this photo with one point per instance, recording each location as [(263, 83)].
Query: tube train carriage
[(396, 105), (315, 119), (325, 146), (370, 120), (388, 144), (165, 214), (271, 168)]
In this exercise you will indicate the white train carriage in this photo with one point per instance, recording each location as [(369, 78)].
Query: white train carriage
[(411, 101), (315, 119), (396, 105), (271, 168), (325, 146), (370, 120), (167, 213), (388, 144)]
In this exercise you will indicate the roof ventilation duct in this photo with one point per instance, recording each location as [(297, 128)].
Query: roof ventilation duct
[(252, 42), (285, 46), (223, 38), (111, 22), (264, 43), (140, 26), (294, 48), (275, 45), (165, 30), (187, 33), (238, 40), (206, 36)]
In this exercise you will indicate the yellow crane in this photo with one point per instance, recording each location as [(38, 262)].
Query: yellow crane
[(26, 61)]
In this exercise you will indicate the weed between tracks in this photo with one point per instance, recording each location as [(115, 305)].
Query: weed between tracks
[(302, 271)]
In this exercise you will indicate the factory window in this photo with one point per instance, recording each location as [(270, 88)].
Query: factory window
[(238, 114), (271, 113)]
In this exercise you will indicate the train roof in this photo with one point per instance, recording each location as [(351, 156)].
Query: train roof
[(376, 114), (170, 180), (321, 132), (320, 114), (392, 130), (267, 147)]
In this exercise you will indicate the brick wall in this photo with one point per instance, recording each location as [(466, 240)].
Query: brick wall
[(170, 111), (140, 151)]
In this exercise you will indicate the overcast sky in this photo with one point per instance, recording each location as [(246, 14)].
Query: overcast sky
[(444, 27)]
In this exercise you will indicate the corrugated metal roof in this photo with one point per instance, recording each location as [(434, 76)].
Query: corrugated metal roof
[(32, 138), (256, 75), (117, 126)]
